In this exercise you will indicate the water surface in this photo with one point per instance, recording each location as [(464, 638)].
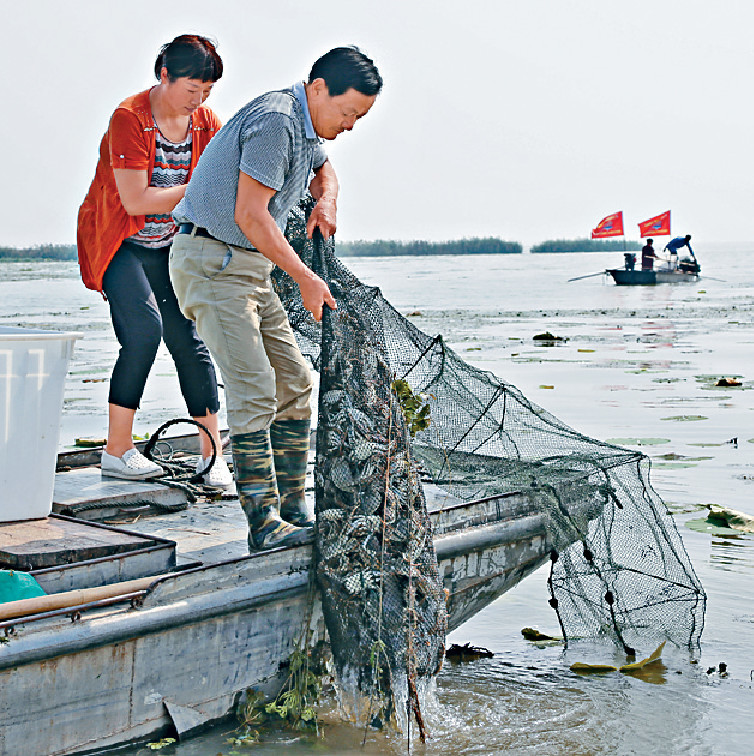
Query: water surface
[(638, 365)]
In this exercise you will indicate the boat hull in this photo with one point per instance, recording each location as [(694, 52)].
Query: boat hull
[(181, 656), (624, 277)]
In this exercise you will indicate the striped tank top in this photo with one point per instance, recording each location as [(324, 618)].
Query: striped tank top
[(172, 161)]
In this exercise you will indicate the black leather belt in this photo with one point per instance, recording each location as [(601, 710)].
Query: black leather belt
[(188, 228)]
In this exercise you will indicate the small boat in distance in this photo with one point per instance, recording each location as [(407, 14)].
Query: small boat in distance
[(686, 270)]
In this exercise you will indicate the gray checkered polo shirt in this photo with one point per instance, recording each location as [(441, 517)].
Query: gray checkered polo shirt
[(272, 140)]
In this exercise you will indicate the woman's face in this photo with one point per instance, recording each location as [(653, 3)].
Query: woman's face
[(184, 95)]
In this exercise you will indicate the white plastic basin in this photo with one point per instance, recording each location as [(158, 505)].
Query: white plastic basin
[(33, 365)]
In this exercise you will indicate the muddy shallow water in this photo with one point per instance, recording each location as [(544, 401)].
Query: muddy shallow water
[(636, 365)]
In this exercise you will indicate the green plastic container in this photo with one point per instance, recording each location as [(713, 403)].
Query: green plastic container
[(18, 585)]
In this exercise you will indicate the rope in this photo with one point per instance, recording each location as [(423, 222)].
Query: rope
[(413, 695), (178, 475), (72, 509), (376, 689), (182, 475)]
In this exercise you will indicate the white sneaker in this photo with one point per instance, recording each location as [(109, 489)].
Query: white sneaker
[(133, 465), (219, 475)]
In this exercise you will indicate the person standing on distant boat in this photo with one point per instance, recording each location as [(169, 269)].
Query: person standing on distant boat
[(147, 155), (678, 243), (648, 256), (231, 236)]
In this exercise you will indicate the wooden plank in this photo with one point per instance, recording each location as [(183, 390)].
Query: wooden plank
[(211, 531), (36, 544), (80, 490), (50, 533)]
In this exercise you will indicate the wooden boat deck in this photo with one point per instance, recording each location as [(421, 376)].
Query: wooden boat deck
[(185, 642), (205, 531)]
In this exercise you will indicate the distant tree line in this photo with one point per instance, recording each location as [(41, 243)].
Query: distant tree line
[(386, 248), (585, 245), (382, 248), (41, 252)]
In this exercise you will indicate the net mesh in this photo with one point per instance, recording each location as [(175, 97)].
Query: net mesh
[(618, 566)]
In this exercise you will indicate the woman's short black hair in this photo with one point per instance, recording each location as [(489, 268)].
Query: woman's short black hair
[(345, 68), (191, 56)]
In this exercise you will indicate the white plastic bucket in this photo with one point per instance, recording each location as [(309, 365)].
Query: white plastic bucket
[(33, 365)]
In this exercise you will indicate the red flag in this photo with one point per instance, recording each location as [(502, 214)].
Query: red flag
[(657, 226), (612, 225)]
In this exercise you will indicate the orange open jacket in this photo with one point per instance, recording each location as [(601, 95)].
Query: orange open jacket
[(103, 223)]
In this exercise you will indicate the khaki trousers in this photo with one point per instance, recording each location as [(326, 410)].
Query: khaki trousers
[(227, 292)]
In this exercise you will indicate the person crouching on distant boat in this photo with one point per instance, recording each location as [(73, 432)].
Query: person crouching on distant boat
[(675, 244), (124, 233), (648, 256)]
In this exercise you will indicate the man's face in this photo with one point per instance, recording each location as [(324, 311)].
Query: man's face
[(333, 115)]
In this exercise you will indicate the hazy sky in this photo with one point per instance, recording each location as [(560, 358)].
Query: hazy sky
[(523, 119)]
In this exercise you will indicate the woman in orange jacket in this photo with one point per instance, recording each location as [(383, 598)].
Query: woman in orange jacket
[(125, 229)]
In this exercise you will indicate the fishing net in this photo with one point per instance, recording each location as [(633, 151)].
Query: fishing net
[(618, 566)]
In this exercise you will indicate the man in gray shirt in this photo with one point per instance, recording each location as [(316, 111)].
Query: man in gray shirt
[(231, 222)]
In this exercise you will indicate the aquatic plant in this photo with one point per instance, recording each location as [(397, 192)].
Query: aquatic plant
[(295, 704), (250, 712), (160, 744), (415, 407)]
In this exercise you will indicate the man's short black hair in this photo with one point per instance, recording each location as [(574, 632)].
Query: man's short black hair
[(345, 68)]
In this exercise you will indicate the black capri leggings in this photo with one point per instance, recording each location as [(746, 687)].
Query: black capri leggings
[(144, 310)]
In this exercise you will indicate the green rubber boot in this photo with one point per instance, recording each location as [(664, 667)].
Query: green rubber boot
[(257, 490), (290, 448)]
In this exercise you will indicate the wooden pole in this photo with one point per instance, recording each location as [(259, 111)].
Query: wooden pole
[(54, 601)]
